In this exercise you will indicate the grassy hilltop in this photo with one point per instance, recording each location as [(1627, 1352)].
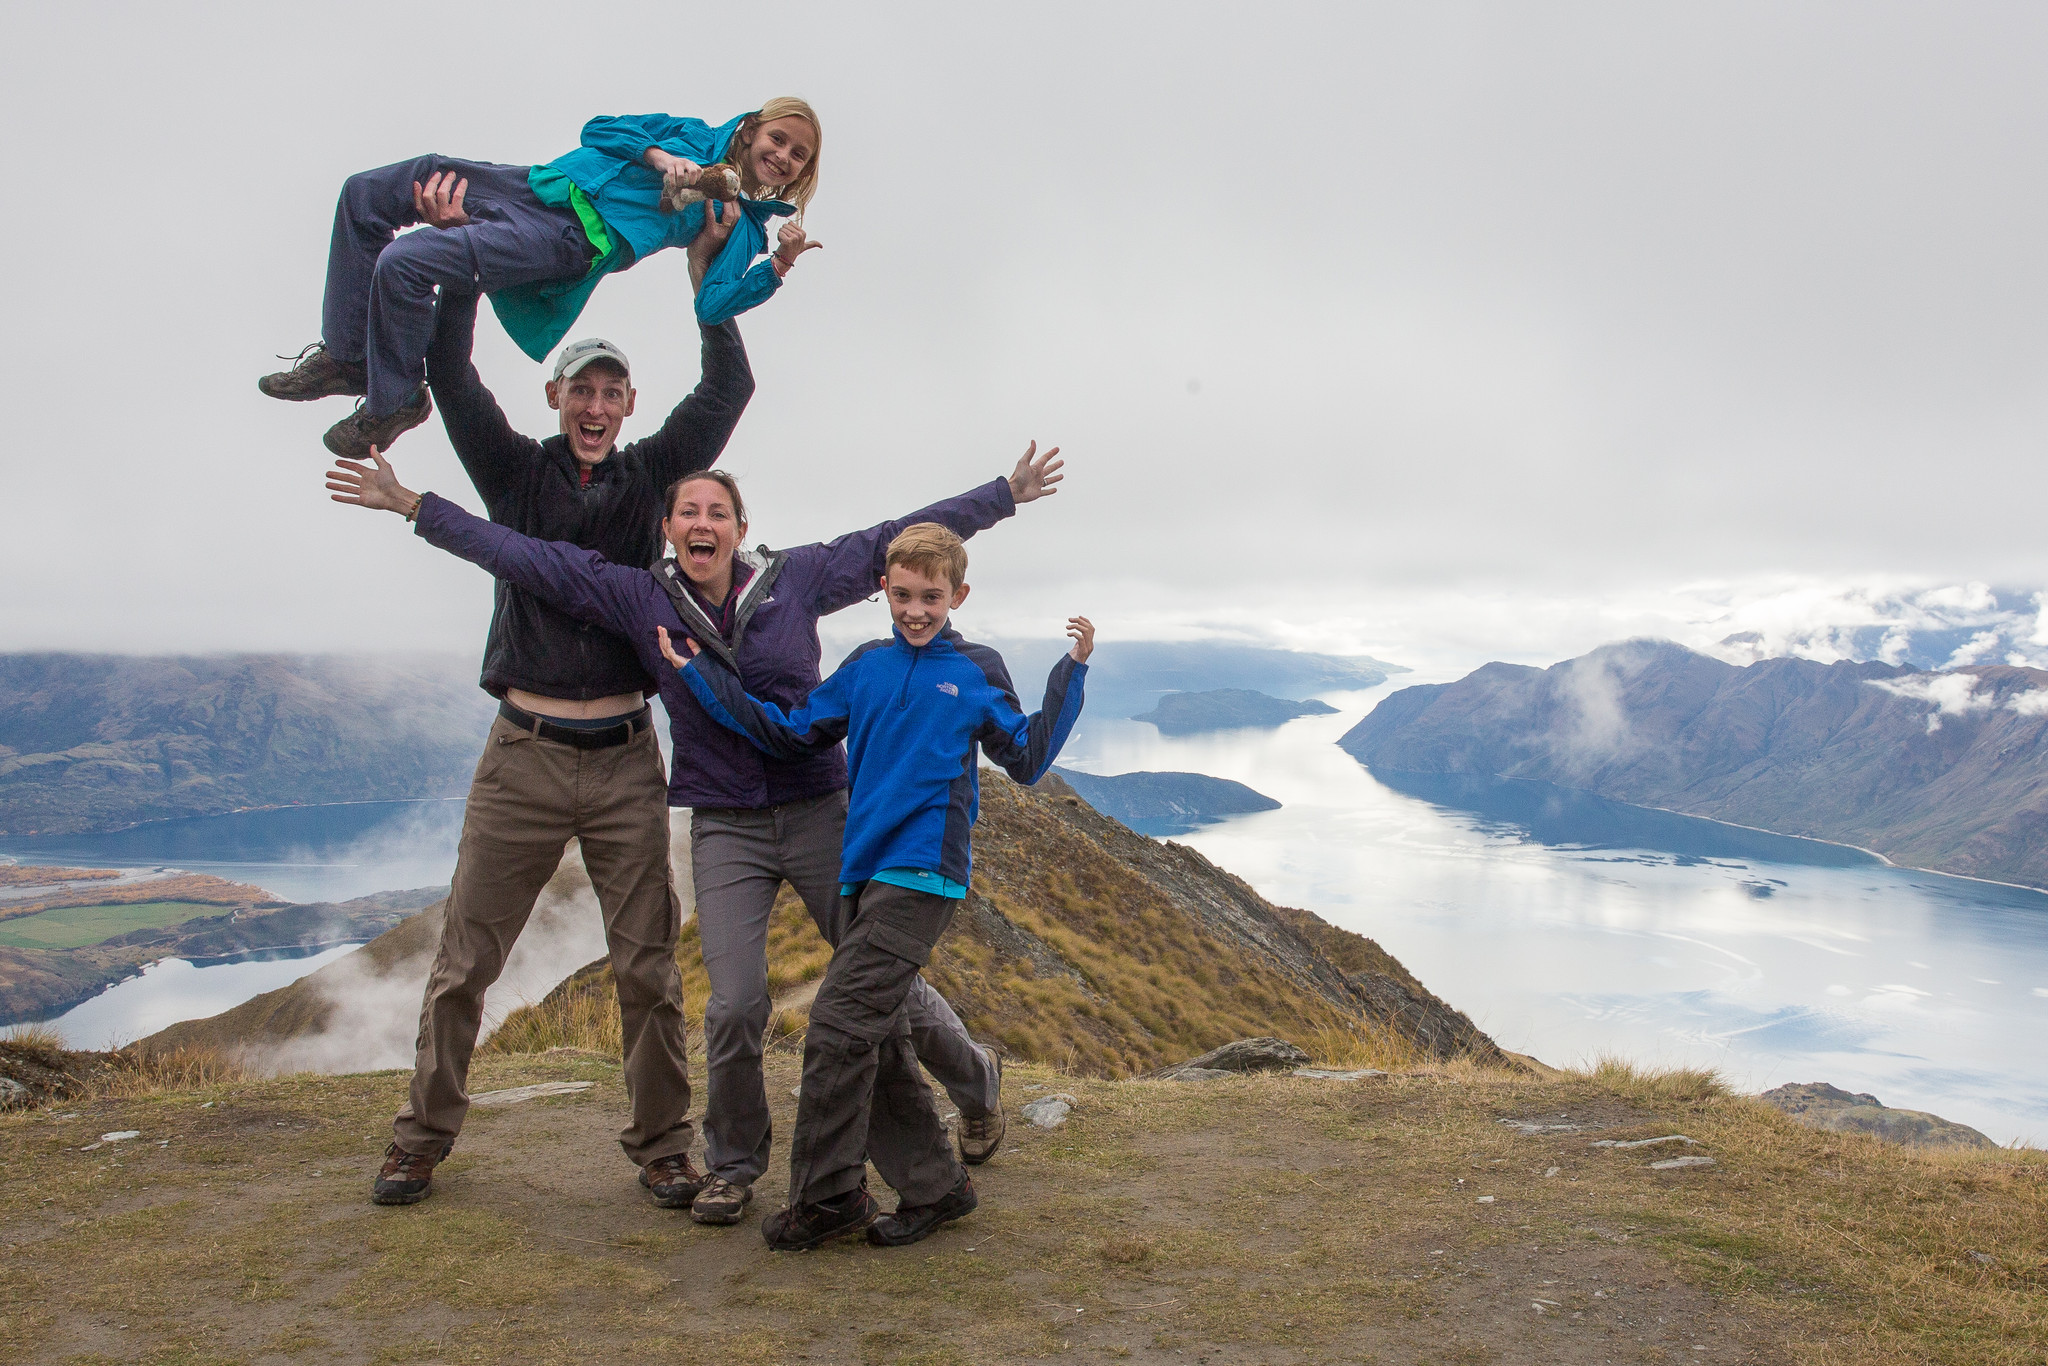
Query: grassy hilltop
[(1466, 1207)]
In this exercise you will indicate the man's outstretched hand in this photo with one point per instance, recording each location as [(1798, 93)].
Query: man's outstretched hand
[(1083, 632), (719, 218), (439, 201), (1036, 474), (668, 649), (371, 486)]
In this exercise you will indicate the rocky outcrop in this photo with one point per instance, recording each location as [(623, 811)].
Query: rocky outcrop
[(1944, 770), (1239, 1056), (1191, 713), (1821, 1106)]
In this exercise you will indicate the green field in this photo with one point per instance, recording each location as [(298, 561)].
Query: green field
[(73, 927)]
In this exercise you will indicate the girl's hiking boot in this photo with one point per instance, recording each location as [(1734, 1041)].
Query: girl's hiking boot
[(406, 1178), (720, 1202), (317, 374), (912, 1223), (802, 1227), (673, 1180), (981, 1136), (352, 437)]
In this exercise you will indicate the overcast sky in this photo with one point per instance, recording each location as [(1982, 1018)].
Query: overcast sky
[(1436, 331)]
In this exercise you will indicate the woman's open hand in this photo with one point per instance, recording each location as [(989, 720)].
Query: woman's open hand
[(1036, 474), (371, 486)]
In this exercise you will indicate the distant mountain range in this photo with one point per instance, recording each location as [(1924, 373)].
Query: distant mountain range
[(99, 742), (1166, 803), (1190, 713), (1944, 770)]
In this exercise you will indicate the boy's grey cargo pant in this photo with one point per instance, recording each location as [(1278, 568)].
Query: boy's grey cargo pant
[(740, 858), (862, 1097)]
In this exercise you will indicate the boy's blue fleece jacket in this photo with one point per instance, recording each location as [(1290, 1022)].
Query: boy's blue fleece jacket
[(911, 717)]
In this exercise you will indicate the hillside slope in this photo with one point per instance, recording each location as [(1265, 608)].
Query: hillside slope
[(1941, 770), (1082, 944), (99, 742)]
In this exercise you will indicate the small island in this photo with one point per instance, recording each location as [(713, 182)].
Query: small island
[(1190, 713), (1165, 803)]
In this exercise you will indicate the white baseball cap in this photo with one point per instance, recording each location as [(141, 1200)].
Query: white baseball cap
[(578, 354)]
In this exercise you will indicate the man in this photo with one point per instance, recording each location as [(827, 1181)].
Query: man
[(573, 752)]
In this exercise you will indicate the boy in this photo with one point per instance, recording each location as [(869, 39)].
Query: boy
[(912, 711)]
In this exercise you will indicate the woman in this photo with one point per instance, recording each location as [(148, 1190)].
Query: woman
[(756, 822)]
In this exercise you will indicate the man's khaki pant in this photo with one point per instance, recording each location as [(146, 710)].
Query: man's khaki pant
[(529, 798)]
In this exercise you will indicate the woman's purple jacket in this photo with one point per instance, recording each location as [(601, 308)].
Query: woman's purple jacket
[(778, 653)]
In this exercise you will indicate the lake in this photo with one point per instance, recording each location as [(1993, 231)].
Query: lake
[(1565, 926), (1568, 927)]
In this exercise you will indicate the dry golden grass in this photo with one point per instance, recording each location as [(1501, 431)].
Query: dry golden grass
[(160, 1071), (41, 1037)]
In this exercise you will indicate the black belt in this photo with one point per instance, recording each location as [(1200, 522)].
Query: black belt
[(602, 737)]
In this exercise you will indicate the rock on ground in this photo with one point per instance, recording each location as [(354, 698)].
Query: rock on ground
[(1243, 1055)]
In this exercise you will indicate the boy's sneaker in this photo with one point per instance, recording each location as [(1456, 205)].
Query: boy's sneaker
[(982, 1135), (673, 1180), (720, 1202), (353, 436), (406, 1178), (801, 1227), (910, 1223), (317, 374)]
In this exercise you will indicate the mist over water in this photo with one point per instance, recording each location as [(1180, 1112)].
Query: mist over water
[(1568, 927)]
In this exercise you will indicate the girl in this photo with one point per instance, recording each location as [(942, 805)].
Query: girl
[(537, 240)]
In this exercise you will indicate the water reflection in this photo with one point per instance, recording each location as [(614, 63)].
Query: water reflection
[(1567, 926)]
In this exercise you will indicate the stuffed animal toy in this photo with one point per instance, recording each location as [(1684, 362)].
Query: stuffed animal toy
[(713, 182)]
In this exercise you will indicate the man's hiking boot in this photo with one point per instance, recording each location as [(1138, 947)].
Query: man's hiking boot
[(406, 1178), (982, 1135), (720, 1202), (911, 1223), (317, 374), (673, 1180), (801, 1227), (353, 436)]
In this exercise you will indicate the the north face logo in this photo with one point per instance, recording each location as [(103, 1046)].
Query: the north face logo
[(949, 690)]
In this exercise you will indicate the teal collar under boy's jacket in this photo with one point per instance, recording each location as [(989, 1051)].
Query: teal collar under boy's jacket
[(626, 193), (912, 717)]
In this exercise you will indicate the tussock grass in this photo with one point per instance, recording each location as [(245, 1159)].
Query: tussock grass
[(159, 1071), (1360, 1044), (41, 1037), (1651, 1086)]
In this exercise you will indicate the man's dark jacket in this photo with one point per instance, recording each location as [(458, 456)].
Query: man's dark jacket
[(535, 488)]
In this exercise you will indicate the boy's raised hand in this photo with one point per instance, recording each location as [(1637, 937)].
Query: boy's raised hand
[(1036, 474), (439, 201), (1083, 632), (668, 649), (367, 486)]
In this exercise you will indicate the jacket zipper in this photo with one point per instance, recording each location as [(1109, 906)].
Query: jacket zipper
[(903, 696)]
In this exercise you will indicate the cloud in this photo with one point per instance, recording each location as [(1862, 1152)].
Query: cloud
[(1948, 694)]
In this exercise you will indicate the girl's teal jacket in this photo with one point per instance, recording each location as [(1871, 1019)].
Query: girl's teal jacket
[(626, 192)]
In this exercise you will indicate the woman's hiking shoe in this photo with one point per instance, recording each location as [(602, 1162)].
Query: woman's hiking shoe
[(912, 1223), (801, 1227), (982, 1135), (406, 1178), (352, 437), (720, 1202), (673, 1180), (317, 374)]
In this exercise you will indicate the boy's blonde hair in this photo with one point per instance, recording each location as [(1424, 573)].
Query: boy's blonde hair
[(931, 550), (800, 190)]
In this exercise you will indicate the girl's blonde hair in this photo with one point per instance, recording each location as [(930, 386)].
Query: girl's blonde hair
[(800, 190)]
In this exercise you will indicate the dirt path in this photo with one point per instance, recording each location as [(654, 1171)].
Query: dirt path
[(1263, 1220)]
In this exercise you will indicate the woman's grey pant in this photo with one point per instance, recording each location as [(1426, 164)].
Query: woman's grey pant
[(740, 859)]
